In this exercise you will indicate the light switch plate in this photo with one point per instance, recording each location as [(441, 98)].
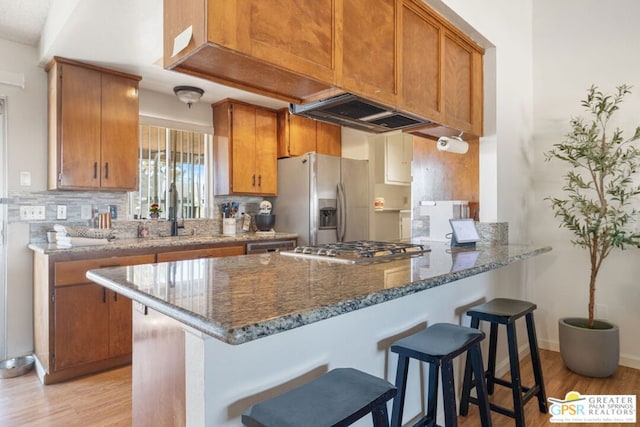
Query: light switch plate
[(61, 212)]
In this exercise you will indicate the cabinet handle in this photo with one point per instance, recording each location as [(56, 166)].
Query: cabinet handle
[(115, 297), (253, 182), (95, 170), (104, 295), (106, 170), (260, 180)]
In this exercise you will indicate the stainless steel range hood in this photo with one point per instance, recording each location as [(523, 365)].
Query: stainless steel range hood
[(355, 112)]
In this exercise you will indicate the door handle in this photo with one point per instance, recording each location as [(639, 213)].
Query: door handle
[(106, 170), (95, 170), (260, 180), (253, 180)]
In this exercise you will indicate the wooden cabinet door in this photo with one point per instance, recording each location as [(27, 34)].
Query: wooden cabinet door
[(243, 134), (120, 324), (81, 325), (328, 139), (266, 147), (119, 148), (302, 135), (462, 85), (421, 55), (79, 123), (297, 35), (369, 65)]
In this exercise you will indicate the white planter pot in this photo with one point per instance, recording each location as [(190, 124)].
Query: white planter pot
[(590, 352)]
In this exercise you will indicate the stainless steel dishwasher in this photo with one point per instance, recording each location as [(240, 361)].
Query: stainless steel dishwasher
[(270, 246)]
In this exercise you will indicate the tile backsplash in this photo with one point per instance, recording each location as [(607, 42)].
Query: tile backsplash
[(122, 226)]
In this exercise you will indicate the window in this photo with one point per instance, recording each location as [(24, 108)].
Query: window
[(169, 156)]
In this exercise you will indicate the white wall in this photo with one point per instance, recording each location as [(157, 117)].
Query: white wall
[(26, 151), (578, 43)]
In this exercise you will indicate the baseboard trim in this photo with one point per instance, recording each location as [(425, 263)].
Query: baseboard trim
[(625, 359)]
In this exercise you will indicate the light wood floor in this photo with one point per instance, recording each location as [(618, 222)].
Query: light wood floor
[(105, 399)]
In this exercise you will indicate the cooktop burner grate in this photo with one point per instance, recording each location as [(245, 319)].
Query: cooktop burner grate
[(359, 251)]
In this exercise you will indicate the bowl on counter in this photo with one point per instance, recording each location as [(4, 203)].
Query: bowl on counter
[(16, 366), (265, 222)]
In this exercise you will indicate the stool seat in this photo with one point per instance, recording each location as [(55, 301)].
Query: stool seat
[(438, 342), (337, 398), (438, 345), (503, 311)]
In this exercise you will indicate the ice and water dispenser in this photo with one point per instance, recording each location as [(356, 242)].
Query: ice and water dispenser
[(328, 212)]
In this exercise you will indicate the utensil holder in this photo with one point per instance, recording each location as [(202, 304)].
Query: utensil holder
[(228, 226)]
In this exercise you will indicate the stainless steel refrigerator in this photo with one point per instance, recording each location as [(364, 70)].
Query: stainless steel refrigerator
[(324, 199)]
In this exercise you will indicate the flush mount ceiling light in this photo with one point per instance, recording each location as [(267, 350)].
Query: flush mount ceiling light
[(188, 94)]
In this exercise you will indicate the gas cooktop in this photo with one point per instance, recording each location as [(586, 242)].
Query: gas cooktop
[(358, 252)]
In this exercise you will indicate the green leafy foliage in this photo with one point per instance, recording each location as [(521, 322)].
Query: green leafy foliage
[(598, 191)]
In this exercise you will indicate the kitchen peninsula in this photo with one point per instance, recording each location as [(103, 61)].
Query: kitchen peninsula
[(214, 336)]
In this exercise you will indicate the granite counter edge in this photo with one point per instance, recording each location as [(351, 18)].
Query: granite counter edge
[(269, 327)]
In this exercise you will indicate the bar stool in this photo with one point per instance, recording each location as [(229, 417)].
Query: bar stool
[(506, 312), (338, 398), (438, 345)]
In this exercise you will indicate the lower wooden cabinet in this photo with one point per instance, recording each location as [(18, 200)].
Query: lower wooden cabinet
[(81, 327)]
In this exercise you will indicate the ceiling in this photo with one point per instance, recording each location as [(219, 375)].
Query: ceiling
[(121, 34)]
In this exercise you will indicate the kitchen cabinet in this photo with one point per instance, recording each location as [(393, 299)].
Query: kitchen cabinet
[(462, 84), (79, 327), (394, 154), (93, 127), (421, 55), (255, 45), (245, 145), (401, 53), (298, 135), (442, 75), (369, 65)]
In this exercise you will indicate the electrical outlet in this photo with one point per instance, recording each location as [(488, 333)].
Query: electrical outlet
[(32, 213), (61, 212)]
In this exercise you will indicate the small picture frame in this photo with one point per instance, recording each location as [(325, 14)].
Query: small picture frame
[(464, 233)]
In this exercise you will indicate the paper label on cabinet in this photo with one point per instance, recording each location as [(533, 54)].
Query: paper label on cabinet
[(182, 40)]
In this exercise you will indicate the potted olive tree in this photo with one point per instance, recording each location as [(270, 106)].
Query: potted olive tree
[(596, 205)]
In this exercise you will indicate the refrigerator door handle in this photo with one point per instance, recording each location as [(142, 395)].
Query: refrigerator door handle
[(342, 213)]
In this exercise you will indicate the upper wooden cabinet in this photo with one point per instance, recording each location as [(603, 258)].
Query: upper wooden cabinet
[(400, 53), (463, 91), (281, 48), (93, 127), (369, 65), (298, 135), (245, 141), (421, 57), (441, 72)]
